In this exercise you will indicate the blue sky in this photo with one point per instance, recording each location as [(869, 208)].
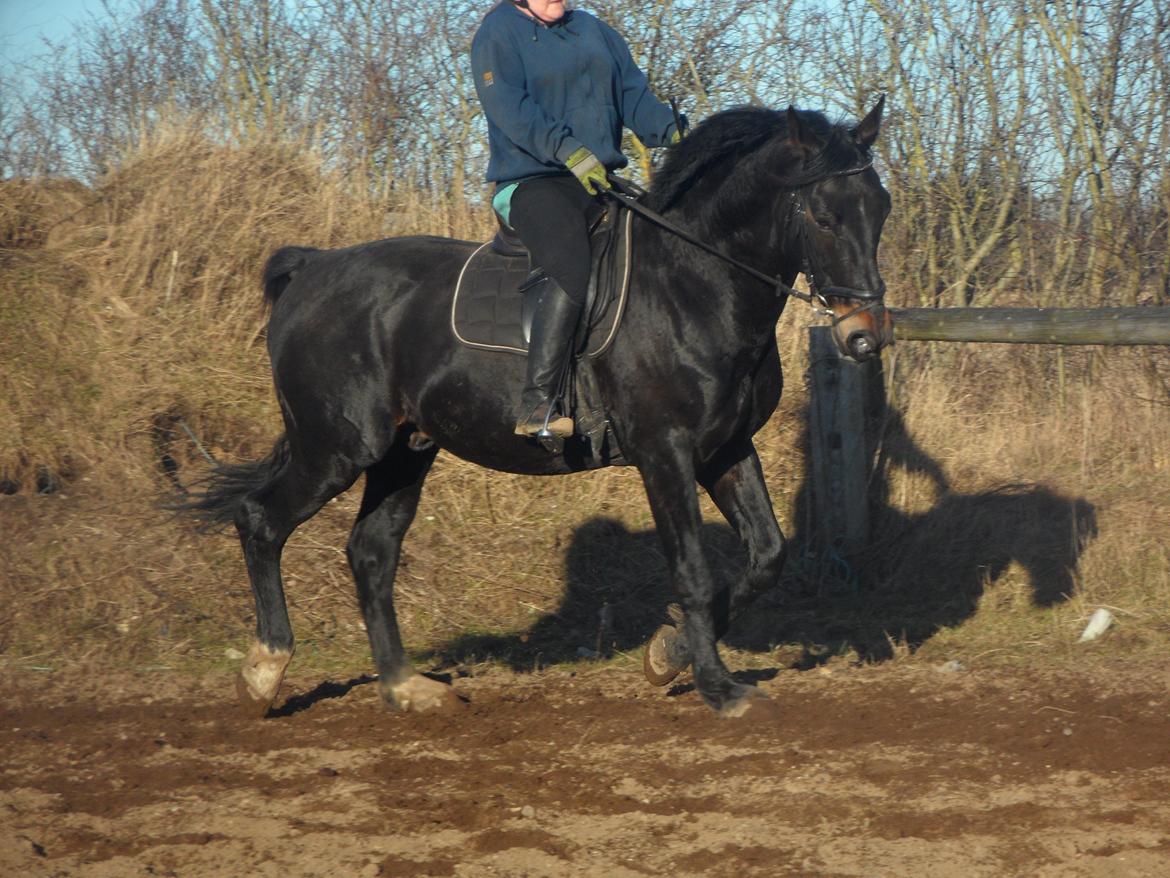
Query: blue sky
[(25, 23)]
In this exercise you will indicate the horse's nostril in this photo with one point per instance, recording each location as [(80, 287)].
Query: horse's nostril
[(862, 345)]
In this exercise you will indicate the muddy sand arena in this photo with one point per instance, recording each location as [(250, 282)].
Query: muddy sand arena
[(850, 771)]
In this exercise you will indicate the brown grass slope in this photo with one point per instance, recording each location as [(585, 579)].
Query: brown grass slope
[(1017, 488)]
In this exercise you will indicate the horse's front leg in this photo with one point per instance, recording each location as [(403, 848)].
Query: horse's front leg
[(737, 486), (736, 483), (670, 486)]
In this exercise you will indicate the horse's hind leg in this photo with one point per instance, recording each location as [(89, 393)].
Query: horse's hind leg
[(265, 518), (393, 488)]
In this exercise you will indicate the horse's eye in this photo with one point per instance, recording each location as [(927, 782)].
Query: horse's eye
[(826, 222)]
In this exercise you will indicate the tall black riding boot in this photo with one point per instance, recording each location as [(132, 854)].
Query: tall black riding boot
[(553, 329)]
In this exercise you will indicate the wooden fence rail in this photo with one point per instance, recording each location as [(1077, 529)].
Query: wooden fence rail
[(1105, 326), (842, 391)]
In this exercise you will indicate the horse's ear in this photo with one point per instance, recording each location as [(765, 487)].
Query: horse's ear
[(867, 130), (802, 135)]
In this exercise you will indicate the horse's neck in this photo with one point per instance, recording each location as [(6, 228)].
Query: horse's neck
[(749, 224), (745, 216), (729, 303)]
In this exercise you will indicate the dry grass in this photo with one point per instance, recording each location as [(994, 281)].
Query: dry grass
[(1019, 488)]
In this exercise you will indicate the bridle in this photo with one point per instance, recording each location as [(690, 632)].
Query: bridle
[(627, 194), (809, 263)]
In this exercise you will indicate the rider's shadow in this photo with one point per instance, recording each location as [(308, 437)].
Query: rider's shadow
[(921, 573)]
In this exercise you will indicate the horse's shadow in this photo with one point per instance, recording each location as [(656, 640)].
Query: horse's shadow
[(921, 573), (925, 572)]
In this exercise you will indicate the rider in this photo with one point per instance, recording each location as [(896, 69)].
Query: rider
[(557, 86)]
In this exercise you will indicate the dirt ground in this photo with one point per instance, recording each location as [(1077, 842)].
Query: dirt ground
[(868, 771)]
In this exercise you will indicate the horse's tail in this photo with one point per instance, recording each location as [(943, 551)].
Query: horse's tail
[(216, 499), (281, 267)]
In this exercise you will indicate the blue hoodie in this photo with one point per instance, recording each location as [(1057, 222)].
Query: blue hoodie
[(547, 91)]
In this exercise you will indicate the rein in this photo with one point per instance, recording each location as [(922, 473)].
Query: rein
[(627, 194)]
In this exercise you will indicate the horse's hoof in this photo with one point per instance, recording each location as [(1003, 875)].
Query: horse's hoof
[(420, 694), (260, 677), (745, 700), (662, 659)]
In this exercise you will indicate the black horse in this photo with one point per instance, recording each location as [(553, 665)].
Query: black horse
[(367, 369)]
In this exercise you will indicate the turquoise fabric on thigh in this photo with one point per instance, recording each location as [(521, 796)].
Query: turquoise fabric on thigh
[(502, 201)]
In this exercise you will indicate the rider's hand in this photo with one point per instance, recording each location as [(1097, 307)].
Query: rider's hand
[(587, 168)]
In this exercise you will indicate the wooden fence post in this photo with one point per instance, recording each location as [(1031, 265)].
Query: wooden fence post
[(847, 404), (840, 391)]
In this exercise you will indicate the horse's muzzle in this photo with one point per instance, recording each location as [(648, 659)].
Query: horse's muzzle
[(860, 332)]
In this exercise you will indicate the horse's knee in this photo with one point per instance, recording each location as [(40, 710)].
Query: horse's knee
[(770, 558), (766, 565), (369, 549)]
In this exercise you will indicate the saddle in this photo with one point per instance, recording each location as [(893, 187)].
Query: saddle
[(498, 292), (499, 289)]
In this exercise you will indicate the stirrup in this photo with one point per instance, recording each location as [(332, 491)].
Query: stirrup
[(564, 425), (551, 427)]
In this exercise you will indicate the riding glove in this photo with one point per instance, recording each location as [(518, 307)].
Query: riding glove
[(588, 170)]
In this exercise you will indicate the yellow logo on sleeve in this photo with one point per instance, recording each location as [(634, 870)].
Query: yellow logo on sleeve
[(488, 78)]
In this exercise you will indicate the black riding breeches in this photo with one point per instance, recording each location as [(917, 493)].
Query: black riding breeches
[(551, 215)]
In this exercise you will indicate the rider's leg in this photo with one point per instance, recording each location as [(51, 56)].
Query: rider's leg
[(551, 215)]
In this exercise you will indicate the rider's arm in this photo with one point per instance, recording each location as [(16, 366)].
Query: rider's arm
[(642, 113), (499, 82)]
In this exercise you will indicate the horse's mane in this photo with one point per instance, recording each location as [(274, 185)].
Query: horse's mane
[(729, 136)]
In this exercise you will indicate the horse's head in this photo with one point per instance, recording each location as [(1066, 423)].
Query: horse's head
[(838, 216)]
